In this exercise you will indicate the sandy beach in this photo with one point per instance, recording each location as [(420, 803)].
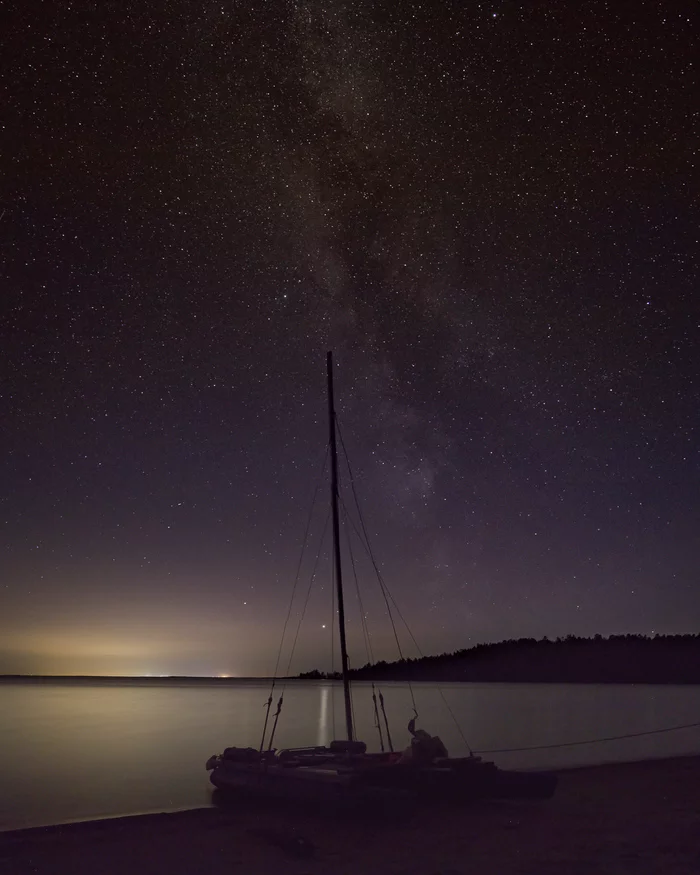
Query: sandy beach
[(623, 818)]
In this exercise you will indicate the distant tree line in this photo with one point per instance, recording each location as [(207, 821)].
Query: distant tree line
[(624, 659)]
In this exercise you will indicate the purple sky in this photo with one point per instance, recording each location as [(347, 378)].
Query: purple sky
[(488, 212)]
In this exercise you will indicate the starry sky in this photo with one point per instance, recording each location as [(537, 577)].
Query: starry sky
[(488, 211)]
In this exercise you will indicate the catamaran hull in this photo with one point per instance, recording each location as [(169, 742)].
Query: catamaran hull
[(384, 783), (462, 781), (466, 784), (300, 785)]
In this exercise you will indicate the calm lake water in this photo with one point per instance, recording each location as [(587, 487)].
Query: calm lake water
[(76, 751)]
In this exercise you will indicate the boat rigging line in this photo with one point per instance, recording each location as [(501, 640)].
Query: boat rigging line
[(386, 721), (364, 539), (365, 633), (305, 542), (296, 635), (363, 619), (591, 740)]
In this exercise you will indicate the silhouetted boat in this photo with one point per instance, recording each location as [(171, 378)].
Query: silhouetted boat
[(345, 770)]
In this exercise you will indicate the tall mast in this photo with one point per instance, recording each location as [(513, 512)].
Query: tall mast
[(336, 547)]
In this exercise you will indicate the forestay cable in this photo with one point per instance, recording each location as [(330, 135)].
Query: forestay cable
[(305, 541)]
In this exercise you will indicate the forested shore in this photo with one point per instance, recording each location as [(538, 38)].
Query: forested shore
[(661, 659)]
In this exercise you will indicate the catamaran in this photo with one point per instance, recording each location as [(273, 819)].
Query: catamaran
[(345, 769)]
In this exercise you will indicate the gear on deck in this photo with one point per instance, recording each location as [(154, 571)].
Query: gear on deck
[(424, 747)]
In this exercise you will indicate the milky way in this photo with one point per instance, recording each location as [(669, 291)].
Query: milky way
[(489, 212)]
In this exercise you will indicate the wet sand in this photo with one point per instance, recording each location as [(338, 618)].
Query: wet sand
[(624, 818)]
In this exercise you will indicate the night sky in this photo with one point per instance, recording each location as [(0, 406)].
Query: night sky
[(488, 211)]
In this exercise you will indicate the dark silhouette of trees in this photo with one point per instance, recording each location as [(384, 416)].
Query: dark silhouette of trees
[(661, 659)]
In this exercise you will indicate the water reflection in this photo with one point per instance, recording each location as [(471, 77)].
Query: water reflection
[(323, 716), (78, 751)]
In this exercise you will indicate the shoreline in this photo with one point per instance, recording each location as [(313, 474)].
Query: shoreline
[(638, 816), (158, 814), (205, 680)]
